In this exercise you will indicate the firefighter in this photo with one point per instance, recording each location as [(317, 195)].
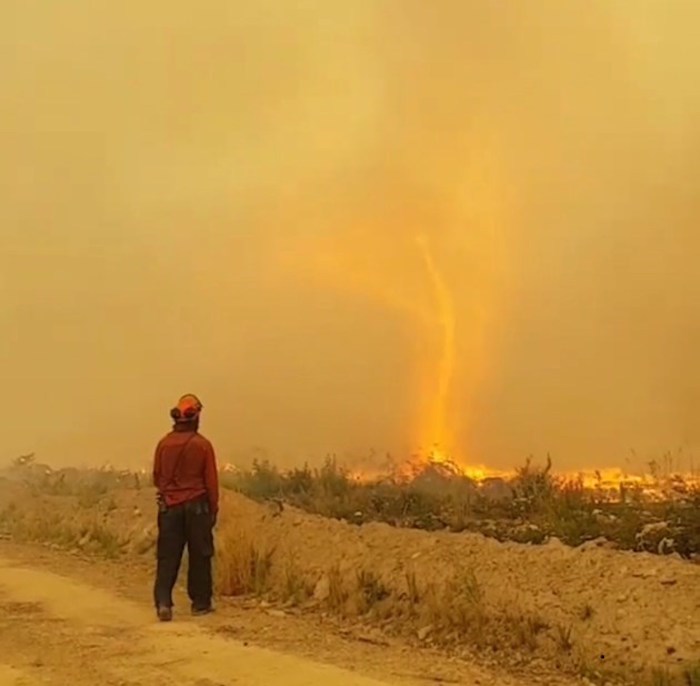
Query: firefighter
[(186, 479)]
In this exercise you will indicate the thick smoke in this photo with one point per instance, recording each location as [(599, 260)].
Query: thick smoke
[(227, 200)]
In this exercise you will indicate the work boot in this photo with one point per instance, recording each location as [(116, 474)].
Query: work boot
[(165, 613), (199, 611)]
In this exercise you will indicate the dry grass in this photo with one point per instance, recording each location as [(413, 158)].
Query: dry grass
[(338, 593), (84, 530), (412, 591), (689, 676), (243, 563), (296, 589)]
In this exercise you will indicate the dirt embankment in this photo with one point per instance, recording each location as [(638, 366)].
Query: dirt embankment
[(593, 605), (589, 609)]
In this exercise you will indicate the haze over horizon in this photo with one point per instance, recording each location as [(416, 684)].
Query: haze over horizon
[(230, 202)]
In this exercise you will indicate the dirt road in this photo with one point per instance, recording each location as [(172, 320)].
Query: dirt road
[(56, 631)]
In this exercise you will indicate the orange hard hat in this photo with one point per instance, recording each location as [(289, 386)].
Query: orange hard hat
[(188, 407)]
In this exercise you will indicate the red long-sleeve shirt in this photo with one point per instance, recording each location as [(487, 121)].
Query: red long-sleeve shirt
[(184, 469)]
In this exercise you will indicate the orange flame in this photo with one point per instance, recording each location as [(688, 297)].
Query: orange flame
[(606, 484), (435, 431)]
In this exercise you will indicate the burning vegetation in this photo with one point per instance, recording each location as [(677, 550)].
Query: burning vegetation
[(661, 483), (657, 513)]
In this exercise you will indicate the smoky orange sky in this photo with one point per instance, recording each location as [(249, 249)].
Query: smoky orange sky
[(351, 226)]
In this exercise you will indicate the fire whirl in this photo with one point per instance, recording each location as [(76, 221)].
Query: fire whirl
[(436, 428)]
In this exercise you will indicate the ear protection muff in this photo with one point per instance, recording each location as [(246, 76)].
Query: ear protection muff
[(190, 412)]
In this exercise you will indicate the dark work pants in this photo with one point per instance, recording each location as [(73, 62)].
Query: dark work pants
[(189, 524)]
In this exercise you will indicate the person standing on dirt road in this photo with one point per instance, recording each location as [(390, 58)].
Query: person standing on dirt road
[(186, 478)]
